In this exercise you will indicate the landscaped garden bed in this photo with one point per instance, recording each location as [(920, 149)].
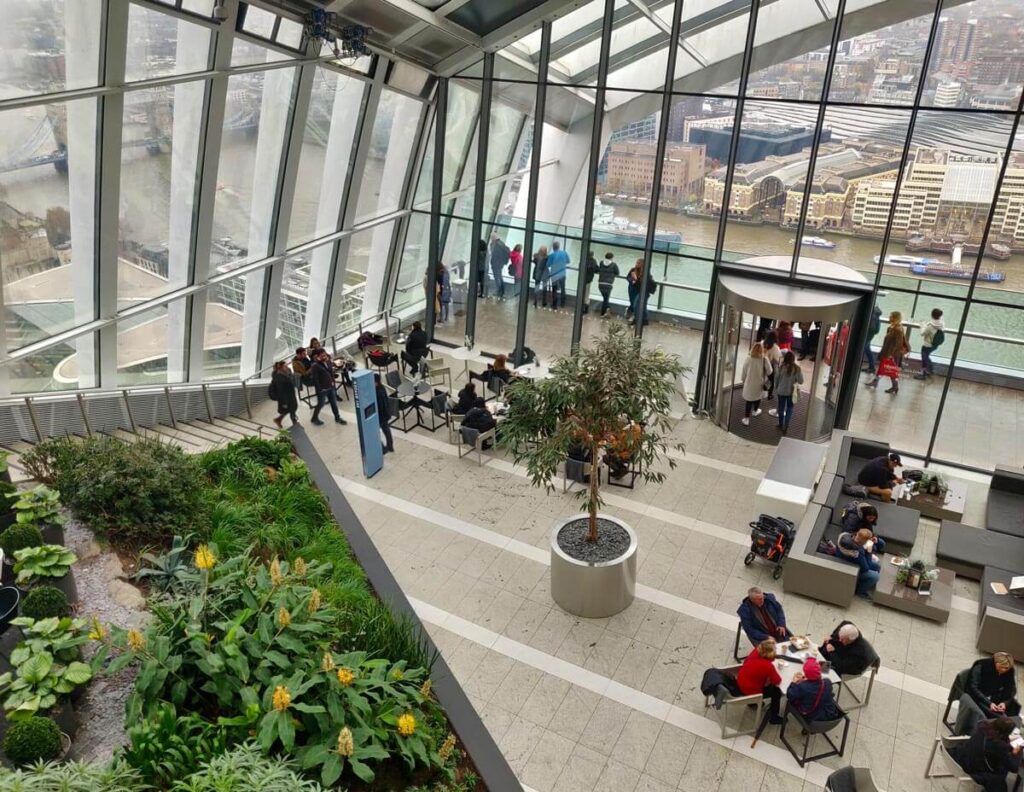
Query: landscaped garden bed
[(263, 659)]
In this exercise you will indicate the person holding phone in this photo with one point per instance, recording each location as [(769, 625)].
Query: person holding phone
[(992, 685)]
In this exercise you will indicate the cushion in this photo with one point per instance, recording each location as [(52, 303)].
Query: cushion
[(1007, 479), (1006, 602), (968, 550), (1005, 512)]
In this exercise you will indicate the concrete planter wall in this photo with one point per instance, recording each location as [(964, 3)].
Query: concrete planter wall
[(593, 590)]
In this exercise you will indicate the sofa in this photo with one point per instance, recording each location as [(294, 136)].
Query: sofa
[(813, 574), (1000, 616), (896, 524), (1004, 511), (967, 550), (855, 453)]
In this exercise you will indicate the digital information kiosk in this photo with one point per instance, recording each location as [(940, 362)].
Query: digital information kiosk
[(367, 421)]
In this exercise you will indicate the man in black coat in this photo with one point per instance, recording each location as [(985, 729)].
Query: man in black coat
[(323, 381), (384, 413), (847, 650), (416, 347)]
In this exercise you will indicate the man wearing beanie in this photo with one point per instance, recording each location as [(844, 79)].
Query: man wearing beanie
[(811, 695)]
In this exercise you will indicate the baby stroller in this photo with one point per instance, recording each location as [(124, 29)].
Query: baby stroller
[(770, 539)]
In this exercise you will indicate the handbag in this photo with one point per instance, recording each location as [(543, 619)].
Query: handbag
[(796, 396), (888, 368)]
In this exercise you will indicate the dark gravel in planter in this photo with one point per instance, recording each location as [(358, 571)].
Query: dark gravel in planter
[(612, 542)]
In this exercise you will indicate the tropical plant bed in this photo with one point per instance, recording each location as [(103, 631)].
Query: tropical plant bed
[(265, 635)]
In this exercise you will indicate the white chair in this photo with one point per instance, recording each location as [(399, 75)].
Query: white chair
[(474, 439), (851, 779), (950, 767), (723, 704)]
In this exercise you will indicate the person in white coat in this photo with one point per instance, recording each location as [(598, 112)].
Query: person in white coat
[(757, 371)]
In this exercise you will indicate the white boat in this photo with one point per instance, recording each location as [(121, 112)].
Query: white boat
[(818, 242), (908, 261)]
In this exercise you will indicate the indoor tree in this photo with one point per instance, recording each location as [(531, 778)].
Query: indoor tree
[(612, 397)]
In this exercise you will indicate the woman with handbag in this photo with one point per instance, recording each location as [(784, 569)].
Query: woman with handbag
[(894, 347), (787, 379), (756, 371)]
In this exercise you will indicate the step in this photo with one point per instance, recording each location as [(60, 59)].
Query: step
[(189, 443)]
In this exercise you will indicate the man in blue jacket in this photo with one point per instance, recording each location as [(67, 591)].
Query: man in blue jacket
[(858, 548), (762, 617), (558, 265)]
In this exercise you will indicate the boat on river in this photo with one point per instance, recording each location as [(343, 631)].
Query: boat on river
[(612, 230), (817, 242), (908, 261), (933, 268)]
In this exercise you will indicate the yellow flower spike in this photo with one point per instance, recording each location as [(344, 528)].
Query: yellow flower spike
[(314, 601), (284, 618), (299, 567), (345, 676), (136, 640), (447, 747), (406, 724), (397, 675), (345, 744), (425, 688), (275, 572), (98, 631), (205, 559), (327, 664), (282, 698)]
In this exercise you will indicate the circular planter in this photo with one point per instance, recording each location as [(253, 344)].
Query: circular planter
[(7, 572), (593, 589)]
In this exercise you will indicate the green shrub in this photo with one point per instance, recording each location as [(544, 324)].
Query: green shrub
[(167, 746), (18, 537), (249, 450), (245, 769), (37, 506), (44, 602), (137, 494), (43, 561), (71, 777), (32, 740)]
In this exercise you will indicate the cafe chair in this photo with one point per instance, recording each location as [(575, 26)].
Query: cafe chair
[(736, 646), (949, 766), (440, 378), (851, 779), (495, 386), (577, 471), (474, 439), (438, 413), (724, 704), (968, 715), (632, 474), (393, 379), (380, 368), (870, 674), (810, 728), (956, 690), (400, 411)]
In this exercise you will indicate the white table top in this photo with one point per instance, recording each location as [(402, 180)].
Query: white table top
[(787, 670), (461, 353), (532, 371)]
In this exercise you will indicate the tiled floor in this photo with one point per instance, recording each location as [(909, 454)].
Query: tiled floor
[(613, 704)]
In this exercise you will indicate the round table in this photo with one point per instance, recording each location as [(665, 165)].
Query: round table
[(411, 388), (465, 354), (532, 371)]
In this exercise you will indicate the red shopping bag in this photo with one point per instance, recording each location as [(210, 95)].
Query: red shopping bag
[(887, 368)]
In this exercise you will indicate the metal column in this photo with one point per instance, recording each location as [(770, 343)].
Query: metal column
[(483, 142), (436, 190)]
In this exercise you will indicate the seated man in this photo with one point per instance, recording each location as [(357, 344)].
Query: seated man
[(415, 347), (857, 549), (762, 617), (302, 365), (847, 650), (811, 695), (992, 686), (878, 476), (480, 418), (858, 516)]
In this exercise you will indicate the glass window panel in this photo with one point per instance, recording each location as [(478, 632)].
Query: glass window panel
[(699, 135), (633, 37), (204, 7), (38, 54), (160, 45), (773, 155), (363, 277), (256, 119), (408, 78), (391, 143), (457, 236), (335, 108), (565, 152), (248, 53), (425, 179), (47, 194), (258, 22), (54, 368), (289, 34), (711, 40), (790, 50), (294, 304), (976, 59), (149, 345), (1007, 234), (511, 109), (359, 63), (882, 65), (460, 132), (159, 154), (233, 313), (409, 294), (852, 189)]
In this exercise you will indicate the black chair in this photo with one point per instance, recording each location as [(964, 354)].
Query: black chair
[(956, 690), (577, 471), (400, 410), (10, 599), (633, 472), (851, 779), (438, 412), (393, 379), (736, 647), (870, 672), (809, 729)]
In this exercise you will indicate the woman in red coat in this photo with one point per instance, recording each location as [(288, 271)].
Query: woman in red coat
[(759, 675)]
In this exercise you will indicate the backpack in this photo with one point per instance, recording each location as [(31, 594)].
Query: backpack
[(856, 491), (938, 338), (272, 391), (652, 286)]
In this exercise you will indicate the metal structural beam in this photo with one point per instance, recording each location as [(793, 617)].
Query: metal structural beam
[(478, 258), (436, 191)]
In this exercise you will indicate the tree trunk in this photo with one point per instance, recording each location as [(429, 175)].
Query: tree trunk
[(595, 470)]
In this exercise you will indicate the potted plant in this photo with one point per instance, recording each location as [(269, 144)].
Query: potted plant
[(35, 739), (50, 564), (610, 400), (40, 507), (16, 538)]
